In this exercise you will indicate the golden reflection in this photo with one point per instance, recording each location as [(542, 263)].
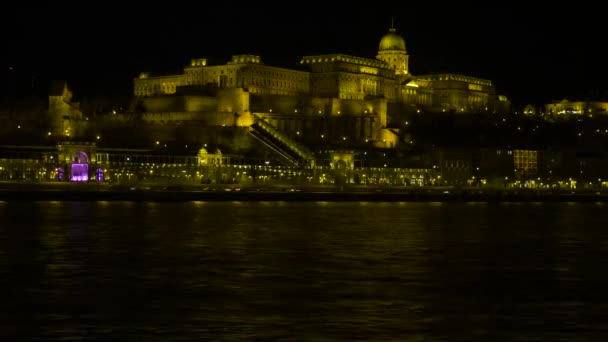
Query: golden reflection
[(476, 203), (54, 203), (199, 204)]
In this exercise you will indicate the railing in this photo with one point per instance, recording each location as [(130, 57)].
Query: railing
[(301, 151), (274, 145), (286, 148), (401, 137)]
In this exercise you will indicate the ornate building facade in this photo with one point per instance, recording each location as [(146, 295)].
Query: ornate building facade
[(325, 98)]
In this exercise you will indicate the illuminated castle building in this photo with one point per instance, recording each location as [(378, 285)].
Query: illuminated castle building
[(267, 121), (332, 98), (332, 119)]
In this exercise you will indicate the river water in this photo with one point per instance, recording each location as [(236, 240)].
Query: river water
[(303, 271)]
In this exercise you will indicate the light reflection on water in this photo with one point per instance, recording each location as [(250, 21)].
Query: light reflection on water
[(303, 271)]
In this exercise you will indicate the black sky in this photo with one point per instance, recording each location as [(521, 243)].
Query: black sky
[(532, 54)]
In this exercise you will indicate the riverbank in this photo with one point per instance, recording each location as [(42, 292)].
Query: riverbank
[(297, 194)]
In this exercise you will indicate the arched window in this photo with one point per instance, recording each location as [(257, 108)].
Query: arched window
[(99, 175), (59, 174)]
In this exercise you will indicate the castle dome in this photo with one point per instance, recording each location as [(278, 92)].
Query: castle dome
[(392, 41)]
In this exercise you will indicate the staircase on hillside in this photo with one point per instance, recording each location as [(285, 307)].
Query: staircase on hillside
[(399, 135), (288, 150)]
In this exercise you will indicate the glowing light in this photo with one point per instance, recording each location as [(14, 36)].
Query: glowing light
[(99, 175), (49, 133), (80, 172), (98, 137), (80, 178)]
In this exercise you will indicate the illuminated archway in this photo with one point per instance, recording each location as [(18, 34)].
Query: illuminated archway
[(80, 167), (80, 157)]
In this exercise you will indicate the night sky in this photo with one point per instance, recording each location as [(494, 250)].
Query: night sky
[(531, 54)]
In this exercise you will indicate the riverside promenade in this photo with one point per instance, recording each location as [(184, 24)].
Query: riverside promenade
[(105, 192)]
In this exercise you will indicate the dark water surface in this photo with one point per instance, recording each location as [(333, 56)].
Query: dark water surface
[(306, 271)]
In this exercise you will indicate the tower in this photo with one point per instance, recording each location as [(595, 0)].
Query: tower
[(392, 51)]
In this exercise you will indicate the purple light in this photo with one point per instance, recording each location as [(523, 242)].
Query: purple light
[(80, 178), (80, 172), (59, 173), (99, 174)]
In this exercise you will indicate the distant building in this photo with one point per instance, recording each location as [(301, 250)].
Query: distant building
[(525, 163), (66, 114), (530, 109), (566, 107)]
